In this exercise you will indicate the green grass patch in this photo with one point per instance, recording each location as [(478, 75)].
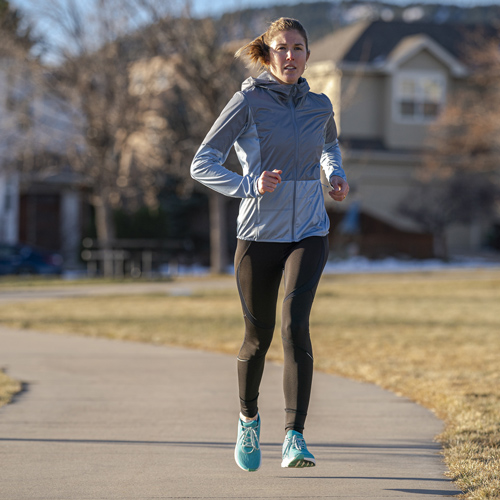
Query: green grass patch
[(433, 337)]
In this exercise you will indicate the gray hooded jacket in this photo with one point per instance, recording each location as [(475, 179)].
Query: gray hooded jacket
[(274, 126)]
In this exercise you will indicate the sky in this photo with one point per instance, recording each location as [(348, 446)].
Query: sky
[(217, 7), (51, 30)]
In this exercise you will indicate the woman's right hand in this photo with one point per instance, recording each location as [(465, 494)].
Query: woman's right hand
[(268, 181)]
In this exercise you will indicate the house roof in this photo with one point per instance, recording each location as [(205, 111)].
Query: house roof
[(413, 44), (333, 47), (373, 42)]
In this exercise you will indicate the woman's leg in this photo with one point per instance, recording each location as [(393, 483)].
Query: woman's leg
[(303, 268), (258, 268)]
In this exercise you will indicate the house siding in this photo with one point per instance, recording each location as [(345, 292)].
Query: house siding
[(362, 108), (425, 61)]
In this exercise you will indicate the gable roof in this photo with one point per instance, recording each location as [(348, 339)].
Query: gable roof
[(413, 44), (373, 42)]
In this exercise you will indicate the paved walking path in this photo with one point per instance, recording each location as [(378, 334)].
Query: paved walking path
[(175, 287), (104, 419)]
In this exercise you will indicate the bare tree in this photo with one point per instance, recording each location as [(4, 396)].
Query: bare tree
[(467, 134), (15, 33), (92, 77), (205, 76), (143, 82), (210, 77), (459, 180), (19, 70), (17, 67)]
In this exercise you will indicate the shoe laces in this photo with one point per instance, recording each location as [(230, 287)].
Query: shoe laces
[(299, 443), (249, 440)]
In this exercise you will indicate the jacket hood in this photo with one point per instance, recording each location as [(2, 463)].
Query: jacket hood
[(268, 81)]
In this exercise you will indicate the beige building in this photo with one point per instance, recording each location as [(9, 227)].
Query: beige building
[(388, 81), (38, 208)]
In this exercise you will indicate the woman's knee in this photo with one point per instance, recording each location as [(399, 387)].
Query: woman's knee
[(254, 346)]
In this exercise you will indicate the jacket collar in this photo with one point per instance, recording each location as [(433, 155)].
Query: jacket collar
[(267, 81)]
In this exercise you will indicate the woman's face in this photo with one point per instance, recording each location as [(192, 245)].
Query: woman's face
[(288, 56)]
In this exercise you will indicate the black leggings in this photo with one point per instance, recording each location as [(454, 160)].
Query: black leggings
[(259, 267)]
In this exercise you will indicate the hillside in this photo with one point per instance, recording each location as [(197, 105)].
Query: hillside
[(321, 18)]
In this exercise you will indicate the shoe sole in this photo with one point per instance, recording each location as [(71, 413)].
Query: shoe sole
[(298, 463)]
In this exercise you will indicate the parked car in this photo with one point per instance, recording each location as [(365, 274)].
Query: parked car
[(24, 259)]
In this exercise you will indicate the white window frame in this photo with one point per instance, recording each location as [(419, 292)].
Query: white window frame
[(418, 77)]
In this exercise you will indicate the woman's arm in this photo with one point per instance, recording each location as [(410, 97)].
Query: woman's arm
[(207, 165), (331, 158), (331, 161)]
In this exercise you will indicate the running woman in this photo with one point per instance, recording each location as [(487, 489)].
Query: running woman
[(283, 135)]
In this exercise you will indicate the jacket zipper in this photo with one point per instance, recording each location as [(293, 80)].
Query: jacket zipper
[(295, 128)]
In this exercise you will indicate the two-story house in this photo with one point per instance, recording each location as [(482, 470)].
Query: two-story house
[(388, 81)]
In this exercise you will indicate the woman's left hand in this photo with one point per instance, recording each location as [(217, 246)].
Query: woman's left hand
[(340, 188)]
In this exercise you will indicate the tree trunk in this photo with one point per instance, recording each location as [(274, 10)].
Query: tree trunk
[(105, 231), (218, 234), (440, 245)]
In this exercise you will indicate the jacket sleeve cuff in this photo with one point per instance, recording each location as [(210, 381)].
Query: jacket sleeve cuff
[(207, 168)]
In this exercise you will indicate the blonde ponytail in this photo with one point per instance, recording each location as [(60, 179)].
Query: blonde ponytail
[(256, 52)]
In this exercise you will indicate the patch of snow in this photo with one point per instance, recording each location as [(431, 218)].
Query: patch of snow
[(391, 265)]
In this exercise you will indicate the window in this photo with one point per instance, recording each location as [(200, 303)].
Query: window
[(418, 96)]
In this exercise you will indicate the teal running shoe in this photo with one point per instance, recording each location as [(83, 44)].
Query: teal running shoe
[(247, 452), (295, 452)]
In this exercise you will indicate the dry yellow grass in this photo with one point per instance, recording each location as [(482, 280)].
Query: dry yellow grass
[(432, 337), (8, 387)]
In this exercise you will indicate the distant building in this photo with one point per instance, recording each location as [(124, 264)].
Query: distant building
[(388, 81), (43, 210)]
